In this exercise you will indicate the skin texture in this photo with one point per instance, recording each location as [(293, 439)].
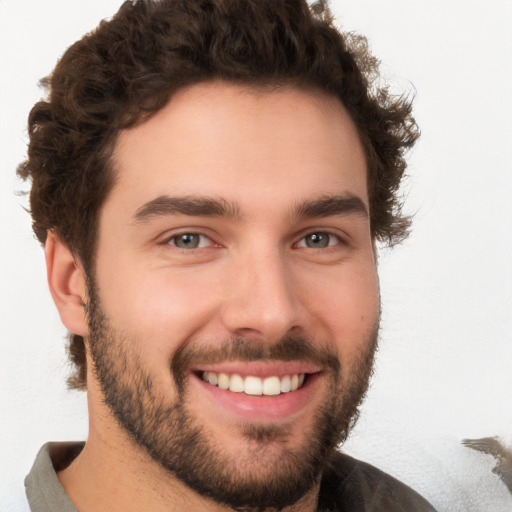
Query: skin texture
[(159, 313)]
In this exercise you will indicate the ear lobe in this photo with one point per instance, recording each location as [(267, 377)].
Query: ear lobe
[(66, 279)]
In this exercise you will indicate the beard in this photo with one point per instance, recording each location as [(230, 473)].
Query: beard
[(174, 438)]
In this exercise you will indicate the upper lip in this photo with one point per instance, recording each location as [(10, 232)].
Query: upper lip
[(260, 369)]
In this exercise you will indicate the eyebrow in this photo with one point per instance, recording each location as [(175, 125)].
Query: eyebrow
[(217, 207), (331, 205), (187, 205)]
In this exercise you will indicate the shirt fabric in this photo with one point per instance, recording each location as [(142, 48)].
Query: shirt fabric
[(348, 485)]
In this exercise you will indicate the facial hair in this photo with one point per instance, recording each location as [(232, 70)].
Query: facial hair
[(176, 440)]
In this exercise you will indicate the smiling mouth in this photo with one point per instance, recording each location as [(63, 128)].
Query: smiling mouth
[(255, 386)]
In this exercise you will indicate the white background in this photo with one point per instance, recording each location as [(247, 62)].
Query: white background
[(444, 366)]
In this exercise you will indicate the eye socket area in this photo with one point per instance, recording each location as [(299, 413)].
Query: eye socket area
[(190, 240), (319, 240)]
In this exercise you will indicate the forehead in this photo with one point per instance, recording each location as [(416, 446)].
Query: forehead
[(242, 144)]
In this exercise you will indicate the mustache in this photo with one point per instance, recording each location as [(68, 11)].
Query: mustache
[(289, 348)]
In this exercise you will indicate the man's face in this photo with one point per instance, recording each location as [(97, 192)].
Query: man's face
[(235, 264)]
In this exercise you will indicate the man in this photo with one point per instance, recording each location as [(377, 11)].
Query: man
[(210, 179)]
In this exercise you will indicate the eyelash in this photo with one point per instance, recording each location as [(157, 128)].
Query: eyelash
[(300, 244), (173, 239), (330, 236)]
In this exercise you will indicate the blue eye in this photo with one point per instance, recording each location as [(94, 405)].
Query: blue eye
[(319, 240), (190, 241)]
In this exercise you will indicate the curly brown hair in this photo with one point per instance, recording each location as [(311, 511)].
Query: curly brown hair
[(130, 66)]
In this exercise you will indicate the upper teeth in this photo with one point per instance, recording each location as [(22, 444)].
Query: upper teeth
[(255, 385)]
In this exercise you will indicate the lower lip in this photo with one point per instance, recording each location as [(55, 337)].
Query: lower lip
[(261, 408)]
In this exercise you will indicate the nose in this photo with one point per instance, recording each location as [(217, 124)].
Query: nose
[(262, 299)]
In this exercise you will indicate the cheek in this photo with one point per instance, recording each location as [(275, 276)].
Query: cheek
[(159, 309), (347, 307)]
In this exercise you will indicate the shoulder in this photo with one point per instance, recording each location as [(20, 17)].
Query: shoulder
[(350, 485)]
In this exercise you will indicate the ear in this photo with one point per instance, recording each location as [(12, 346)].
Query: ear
[(66, 279)]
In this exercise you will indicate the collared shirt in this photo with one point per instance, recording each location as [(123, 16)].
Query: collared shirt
[(348, 485)]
